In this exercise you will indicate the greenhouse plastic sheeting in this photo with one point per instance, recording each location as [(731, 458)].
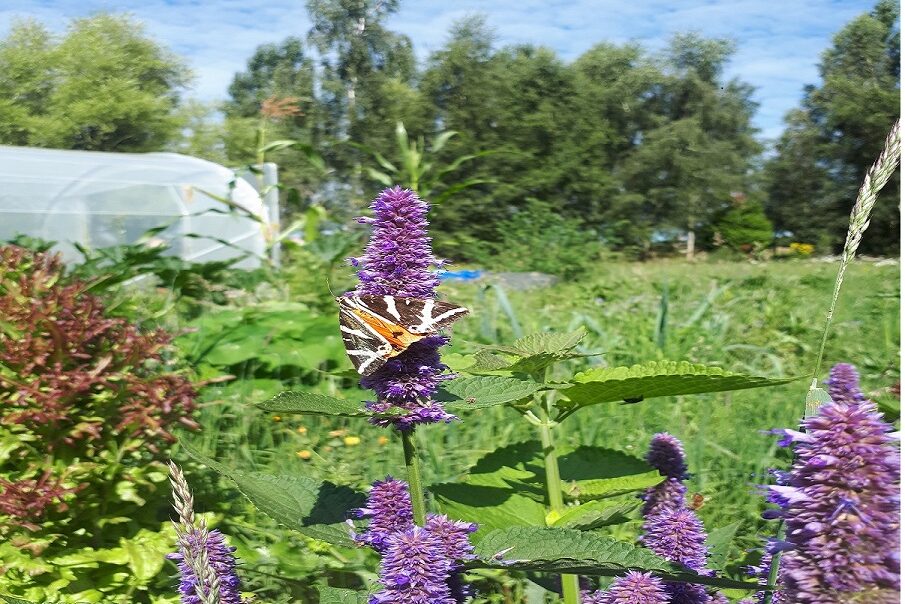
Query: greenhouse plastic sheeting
[(105, 199)]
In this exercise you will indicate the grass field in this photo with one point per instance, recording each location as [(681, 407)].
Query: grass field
[(758, 318)]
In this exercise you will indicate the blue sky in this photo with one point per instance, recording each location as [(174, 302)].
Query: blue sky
[(779, 41)]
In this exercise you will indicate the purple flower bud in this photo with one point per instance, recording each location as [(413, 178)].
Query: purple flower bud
[(678, 536), (389, 508), (843, 385), (398, 261), (633, 588), (220, 559), (667, 455)]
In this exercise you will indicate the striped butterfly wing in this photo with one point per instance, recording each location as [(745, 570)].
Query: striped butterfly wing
[(376, 328)]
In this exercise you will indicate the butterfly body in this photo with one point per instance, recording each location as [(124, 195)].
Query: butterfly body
[(377, 328)]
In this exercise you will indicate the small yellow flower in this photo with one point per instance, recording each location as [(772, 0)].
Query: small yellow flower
[(327, 449), (302, 430), (277, 418), (351, 441), (382, 440), (303, 454), (339, 432)]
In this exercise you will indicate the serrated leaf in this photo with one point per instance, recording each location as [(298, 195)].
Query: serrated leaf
[(480, 391), (314, 508), (309, 403), (334, 595), (569, 551), (595, 514), (488, 361), (550, 343), (658, 378), (718, 543)]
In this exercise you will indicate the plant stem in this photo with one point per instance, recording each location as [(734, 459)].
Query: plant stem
[(413, 468), (570, 590), (774, 567)]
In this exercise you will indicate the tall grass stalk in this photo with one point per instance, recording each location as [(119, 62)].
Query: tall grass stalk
[(874, 181)]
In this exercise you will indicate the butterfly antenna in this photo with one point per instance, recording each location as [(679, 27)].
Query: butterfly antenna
[(330, 289)]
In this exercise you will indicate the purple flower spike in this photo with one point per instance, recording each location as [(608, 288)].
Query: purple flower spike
[(841, 508), (843, 385), (634, 588), (398, 261), (678, 536), (389, 509), (592, 597), (454, 534), (414, 570), (220, 560), (667, 455)]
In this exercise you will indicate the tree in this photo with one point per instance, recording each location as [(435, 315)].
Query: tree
[(687, 166), (837, 134), (104, 85)]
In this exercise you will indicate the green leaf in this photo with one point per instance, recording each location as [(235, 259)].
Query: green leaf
[(543, 343), (314, 508), (597, 472), (657, 378), (379, 176), (479, 391), (14, 600), (595, 514), (334, 595), (718, 543), (309, 403), (532, 353), (490, 507), (560, 550)]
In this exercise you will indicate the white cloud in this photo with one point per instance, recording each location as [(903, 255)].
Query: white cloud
[(779, 41)]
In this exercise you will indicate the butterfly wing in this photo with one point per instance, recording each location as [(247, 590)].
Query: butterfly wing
[(416, 315), (365, 347)]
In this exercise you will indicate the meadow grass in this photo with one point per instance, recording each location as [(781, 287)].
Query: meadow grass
[(758, 318)]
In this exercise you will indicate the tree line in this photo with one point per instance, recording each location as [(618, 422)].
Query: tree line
[(620, 145)]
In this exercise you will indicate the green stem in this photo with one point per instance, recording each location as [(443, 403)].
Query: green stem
[(413, 469), (774, 567), (570, 589)]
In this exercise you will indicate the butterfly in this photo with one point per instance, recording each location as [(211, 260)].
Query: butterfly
[(378, 328)]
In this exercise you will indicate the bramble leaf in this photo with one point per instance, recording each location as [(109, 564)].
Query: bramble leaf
[(309, 403), (314, 508)]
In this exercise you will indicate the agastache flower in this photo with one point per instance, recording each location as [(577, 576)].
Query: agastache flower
[(841, 508), (398, 261), (843, 385), (419, 565), (389, 508), (414, 570), (633, 588), (667, 455)]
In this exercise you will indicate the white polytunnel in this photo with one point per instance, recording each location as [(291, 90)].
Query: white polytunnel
[(100, 199)]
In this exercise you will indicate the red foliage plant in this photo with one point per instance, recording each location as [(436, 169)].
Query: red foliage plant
[(73, 380)]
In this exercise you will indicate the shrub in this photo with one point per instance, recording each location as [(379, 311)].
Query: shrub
[(87, 405), (745, 227), (536, 238)]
